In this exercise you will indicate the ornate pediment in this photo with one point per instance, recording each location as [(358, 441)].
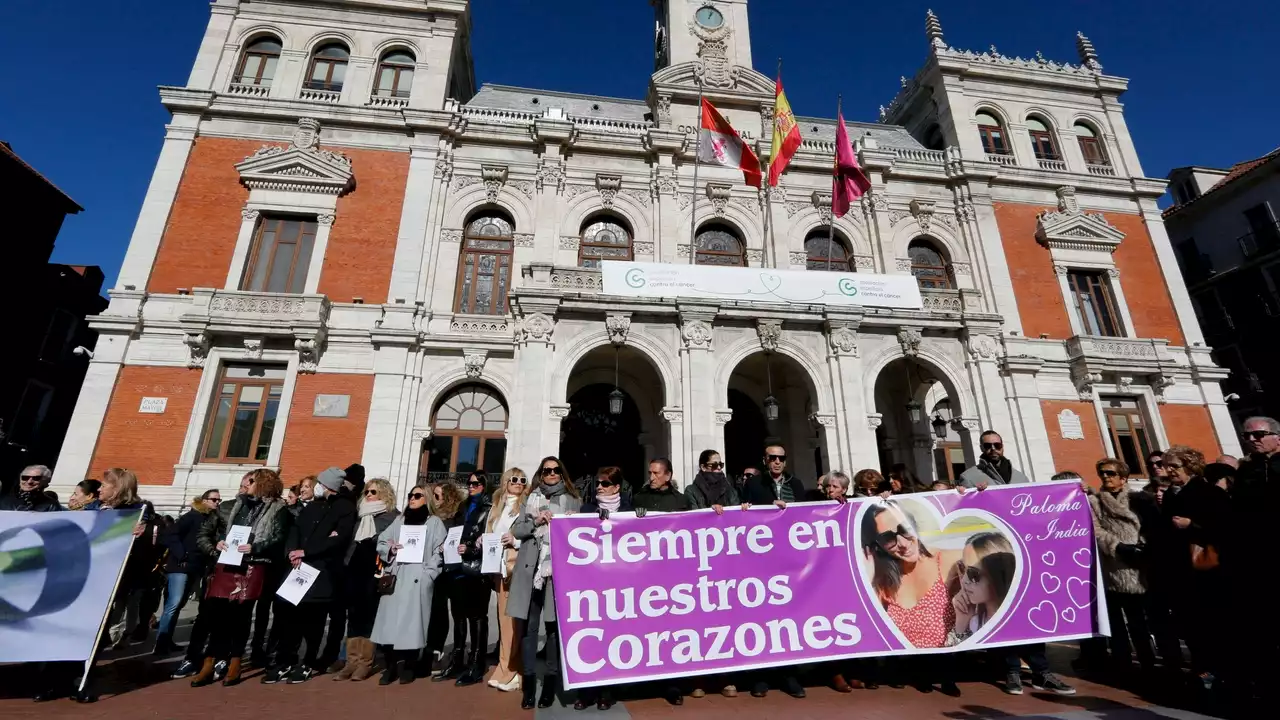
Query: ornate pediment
[(736, 80), (1070, 228), (301, 167)]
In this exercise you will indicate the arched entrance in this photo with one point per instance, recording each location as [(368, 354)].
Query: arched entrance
[(591, 436), (918, 426), (468, 432), (762, 380)]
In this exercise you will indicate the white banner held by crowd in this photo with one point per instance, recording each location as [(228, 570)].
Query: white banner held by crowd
[(792, 287)]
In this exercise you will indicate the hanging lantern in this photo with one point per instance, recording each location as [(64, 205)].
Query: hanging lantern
[(916, 411), (939, 427), (615, 402), (770, 408)]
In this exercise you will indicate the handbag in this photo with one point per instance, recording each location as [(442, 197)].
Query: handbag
[(386, 581), (1204, 558)]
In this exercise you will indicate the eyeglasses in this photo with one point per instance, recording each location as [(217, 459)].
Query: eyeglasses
[(416, 496), (1108, 473), (888, 537), (1247, 435), (33, 478), (972, 574), (606, 483), (750, 474), (546, 471), (992, 446), (1157, 462), (1173, 466), (715, 465), (370, 491), (214, 500), (517, 480), (776, 458), (475, 483)]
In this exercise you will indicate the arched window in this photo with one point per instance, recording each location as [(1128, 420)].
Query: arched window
[(1090, 145), (603, 238), (484, 269), (468, 433), (258, 62), (720, 245), (1042, 140), (823, 252), (933, 138), (395, 74), (994, 141), (328, 68), (928, 265)]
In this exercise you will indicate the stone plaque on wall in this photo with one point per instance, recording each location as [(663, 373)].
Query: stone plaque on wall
[(331, 406), (153, 405), (1069, 426)]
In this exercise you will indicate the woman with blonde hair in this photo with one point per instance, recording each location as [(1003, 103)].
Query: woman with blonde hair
[(443, 500), (508, 503), (987, 565), (234, 588), (119, 491), (374, 514)]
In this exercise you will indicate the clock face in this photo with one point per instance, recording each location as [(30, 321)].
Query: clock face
[(709, 17)]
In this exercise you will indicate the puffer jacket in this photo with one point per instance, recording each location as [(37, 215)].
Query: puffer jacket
[(1116, 522), (268, 535), (182, 540)]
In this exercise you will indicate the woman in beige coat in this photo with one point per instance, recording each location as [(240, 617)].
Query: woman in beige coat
[(508, 504), (1118, 531)]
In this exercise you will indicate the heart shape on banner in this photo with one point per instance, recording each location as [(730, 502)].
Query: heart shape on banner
[(946, 537), (1081, 592), (1069, 614), (1050, 582), (1048, 558), (1044, 617), (1083, 557)]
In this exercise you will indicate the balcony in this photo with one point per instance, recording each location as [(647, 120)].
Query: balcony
[(1001, 159), (254, 313), (330, 97), (1101, 170), (1119, 354), (249, 90), (1055, 165), (390, 102), (1260, 241)]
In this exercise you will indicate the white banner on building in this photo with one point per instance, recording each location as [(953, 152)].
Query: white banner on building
[(58, 572), (792, 287)]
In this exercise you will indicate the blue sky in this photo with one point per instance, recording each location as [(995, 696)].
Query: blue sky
[(82, 107)]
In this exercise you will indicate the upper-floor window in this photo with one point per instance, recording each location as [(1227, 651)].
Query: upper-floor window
[(1264, 232), (824, 251), (59, 335), (395, 74), (1090, 145), (484, 269), (603, 238), (243, 418), (994, 140), (933, 138), (928, 265), (280, 254), (328, 68), (1042, 140), (1093, 303), (720, 245), (1128, 431), (258, 63)]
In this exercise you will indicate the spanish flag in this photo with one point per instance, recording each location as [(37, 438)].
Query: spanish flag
[(786, 135)]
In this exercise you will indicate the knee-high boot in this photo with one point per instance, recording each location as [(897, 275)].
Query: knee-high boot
[(458, 658), (476, 655)]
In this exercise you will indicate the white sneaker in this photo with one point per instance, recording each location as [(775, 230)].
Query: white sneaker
[(510, 686)]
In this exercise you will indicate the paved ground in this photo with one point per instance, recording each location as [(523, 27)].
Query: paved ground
[(137, 687)]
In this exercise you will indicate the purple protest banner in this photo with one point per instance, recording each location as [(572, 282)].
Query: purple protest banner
[(674, 595)]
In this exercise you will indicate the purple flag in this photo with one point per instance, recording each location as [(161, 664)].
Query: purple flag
[(682, 594), (850, 183)]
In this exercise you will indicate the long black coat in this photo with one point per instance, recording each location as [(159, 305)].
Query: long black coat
[(323, 532), (473, 526), (182, 541)]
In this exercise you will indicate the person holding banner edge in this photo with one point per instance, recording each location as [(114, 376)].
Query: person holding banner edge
[(608, 498)]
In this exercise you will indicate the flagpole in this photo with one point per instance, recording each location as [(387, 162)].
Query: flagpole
[(693, 212), (771, 240), (835, 172)]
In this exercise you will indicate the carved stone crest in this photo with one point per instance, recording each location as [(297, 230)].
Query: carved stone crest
[(770, 333), (909, 339), (253, 348), (308, 354), (844, 341), (198, 347), (473, 362), (696, 334), (536, 326), (608, 185), (617, 326), (494, 177), (714, 69), (983, 347)]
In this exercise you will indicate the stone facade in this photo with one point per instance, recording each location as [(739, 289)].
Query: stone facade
[(397, 182)]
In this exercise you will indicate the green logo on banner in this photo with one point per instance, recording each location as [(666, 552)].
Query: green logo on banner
[(848, 287), (635, 278)]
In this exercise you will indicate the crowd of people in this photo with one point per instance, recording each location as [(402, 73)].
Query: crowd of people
[(1175, 559)]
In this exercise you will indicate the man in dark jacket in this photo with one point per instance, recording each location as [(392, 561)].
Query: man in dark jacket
[(660, 494), (184, 565), (28, 495), (1254, 498), (775, 484), (319, 538)]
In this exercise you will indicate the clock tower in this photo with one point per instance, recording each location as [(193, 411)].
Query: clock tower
[(714, 33)]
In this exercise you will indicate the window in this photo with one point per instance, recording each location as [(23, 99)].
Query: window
[(1262, 225), (328, 68), (484, 271), (1128, 431), (820, 247), (395, 75), (994, 141), (928, 265), (1042, 140), (720, 245), (1090, 145), (258, 63), (468, 433), (32, 410), (243, 417), (280, 255), (1093, 304), (58, 337), (603, 239)]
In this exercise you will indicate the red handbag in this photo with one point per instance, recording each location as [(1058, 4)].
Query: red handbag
[(237, 584)]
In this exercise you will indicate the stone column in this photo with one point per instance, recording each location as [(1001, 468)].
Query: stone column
[(535, 430), (394, 362), (698, 370), (1030, 438), (411, 239), (216, 41), (984, 352), (158, 202), (857, 448), (674, 417)]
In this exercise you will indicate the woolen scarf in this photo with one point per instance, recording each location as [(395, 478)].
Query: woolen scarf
[(609, 502), (714, 486), (367, 527), (417, 516)]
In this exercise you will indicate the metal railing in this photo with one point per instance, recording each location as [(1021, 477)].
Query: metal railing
[(1260, 241)]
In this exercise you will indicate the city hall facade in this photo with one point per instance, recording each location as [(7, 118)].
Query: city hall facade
[(349, 252)]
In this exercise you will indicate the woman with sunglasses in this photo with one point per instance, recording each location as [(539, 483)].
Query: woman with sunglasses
[(508, 501), (987, 565), (469, 601), (404, 617), (710, 487), (608, 497), (532, 597), (374, 514), (444, 499)]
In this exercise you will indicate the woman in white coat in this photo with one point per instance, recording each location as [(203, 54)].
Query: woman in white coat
[(404, 615)]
